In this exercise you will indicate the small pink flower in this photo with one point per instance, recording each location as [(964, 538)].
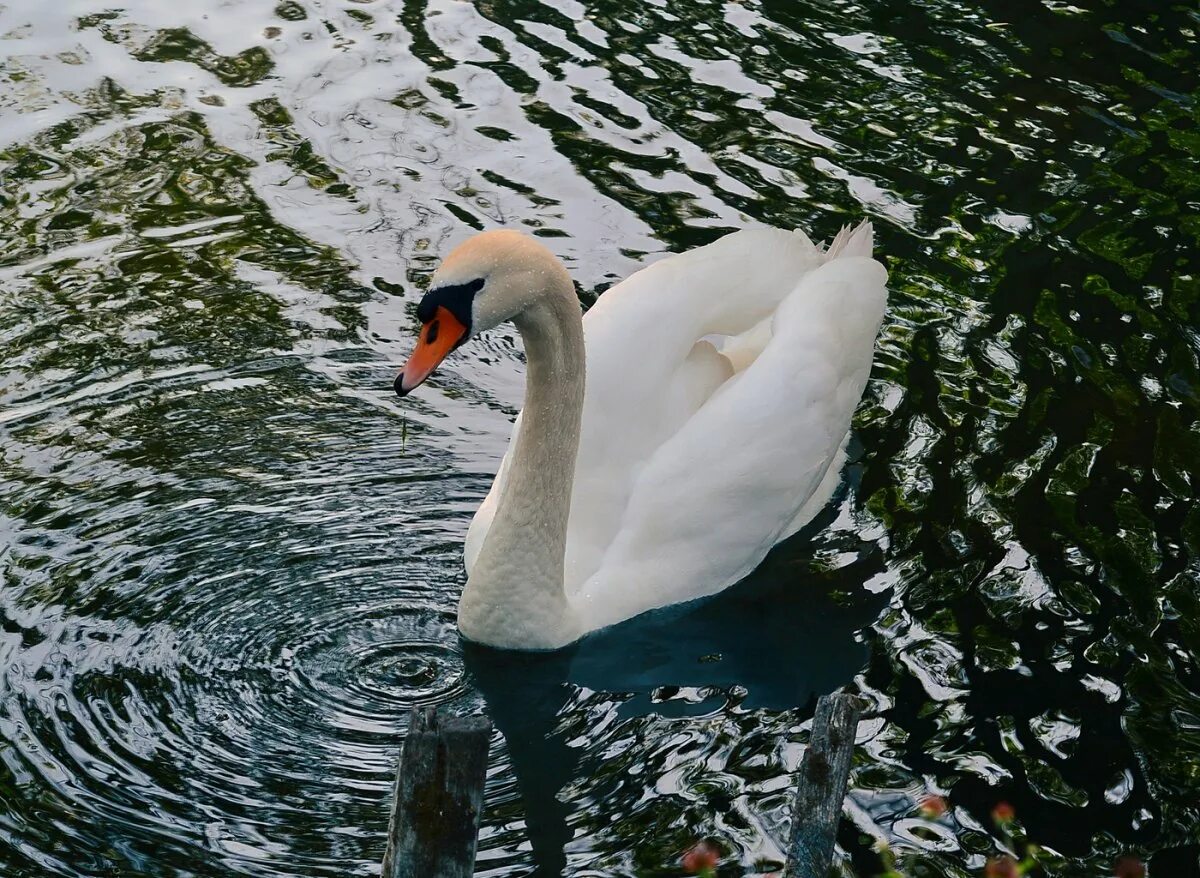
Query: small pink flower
[(1129, 866), (701, 857), (1001, 867), (933, 807), (1003, 813)]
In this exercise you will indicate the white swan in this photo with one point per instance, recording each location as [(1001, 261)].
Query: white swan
[(720, 387)]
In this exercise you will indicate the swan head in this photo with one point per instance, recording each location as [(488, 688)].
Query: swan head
[(490, 278)]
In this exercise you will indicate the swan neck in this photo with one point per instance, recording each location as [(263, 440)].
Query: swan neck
[(514, 596)]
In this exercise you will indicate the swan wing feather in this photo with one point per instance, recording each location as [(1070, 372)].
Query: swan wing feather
[(648, 371), (715, 496)]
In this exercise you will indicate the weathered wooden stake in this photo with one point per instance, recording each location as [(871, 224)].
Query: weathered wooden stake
[(821, 786), (438, 797)]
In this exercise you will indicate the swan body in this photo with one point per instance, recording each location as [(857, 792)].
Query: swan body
[(720, 384)]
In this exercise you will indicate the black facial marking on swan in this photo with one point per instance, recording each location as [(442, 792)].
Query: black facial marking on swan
[(455, 298)]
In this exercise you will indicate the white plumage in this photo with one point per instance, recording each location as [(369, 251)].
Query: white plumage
[(720, 385)]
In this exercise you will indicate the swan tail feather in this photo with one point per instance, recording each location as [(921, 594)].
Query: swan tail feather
[(859, 241)]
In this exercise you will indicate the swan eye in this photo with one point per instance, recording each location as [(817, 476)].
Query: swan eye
[(455, 298)]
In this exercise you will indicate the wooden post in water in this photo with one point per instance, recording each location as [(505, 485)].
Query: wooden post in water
[(821, 786), (438, 797)]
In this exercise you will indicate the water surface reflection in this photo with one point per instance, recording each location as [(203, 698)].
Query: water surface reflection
[(229, 559)]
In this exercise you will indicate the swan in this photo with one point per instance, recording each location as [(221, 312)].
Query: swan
[(720, 384)]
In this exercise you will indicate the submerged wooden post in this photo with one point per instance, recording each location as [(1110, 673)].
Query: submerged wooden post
[(821, 786), (438, 797)]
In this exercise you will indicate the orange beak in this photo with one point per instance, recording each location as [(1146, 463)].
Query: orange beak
[(438, 338)]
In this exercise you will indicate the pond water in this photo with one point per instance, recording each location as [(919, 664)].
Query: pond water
[(230, 557)]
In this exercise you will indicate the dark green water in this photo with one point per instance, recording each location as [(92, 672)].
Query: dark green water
[(229, 557)]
